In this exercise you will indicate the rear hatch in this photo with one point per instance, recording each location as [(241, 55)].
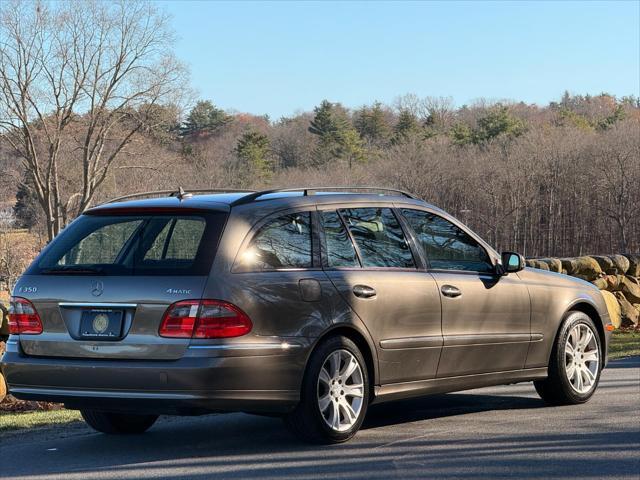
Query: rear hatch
[(102, 287)]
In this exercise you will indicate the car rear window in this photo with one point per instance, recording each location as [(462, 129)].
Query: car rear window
[(134, 245)]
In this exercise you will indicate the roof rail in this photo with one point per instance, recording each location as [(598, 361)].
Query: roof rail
[(180, 193), (252, 197)]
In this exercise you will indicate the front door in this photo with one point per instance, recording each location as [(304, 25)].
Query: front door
[(485, 316)]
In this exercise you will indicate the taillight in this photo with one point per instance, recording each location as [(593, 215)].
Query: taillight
[(204, 319), (23, 317), (179, 319)]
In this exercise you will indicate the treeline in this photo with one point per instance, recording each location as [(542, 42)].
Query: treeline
[(557, 180)]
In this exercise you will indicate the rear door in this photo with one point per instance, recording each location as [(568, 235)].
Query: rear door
[(381, 281), (485, 316), (101, 288)]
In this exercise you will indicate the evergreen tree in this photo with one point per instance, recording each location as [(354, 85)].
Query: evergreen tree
[(371, 124), (350, 147), (325, 124), (617, 115), (498, 121), (461, 134), (204, 117), (406, 127), (253, 149), (337, 137)]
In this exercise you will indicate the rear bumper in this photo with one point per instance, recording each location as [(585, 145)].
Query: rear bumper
[(266, 383)]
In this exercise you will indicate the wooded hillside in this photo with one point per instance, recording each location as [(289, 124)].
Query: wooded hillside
[(557, 180)]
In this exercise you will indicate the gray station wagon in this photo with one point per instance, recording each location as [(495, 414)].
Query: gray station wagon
[(307, 303)]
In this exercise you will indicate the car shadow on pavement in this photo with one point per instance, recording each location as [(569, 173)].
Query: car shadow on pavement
[(472, 434), (243, 446), (438, 406)]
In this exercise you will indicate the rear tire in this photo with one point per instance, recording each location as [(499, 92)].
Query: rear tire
[(575, 363), (118, 423), (334, 395)]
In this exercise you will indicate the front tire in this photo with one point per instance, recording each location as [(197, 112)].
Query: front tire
[(118, 423), (334, 395), (575, 364)]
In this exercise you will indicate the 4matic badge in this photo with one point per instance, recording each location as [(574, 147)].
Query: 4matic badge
[(177, 291)]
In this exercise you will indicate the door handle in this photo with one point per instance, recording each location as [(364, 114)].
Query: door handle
[(450, 291), (364, 291)]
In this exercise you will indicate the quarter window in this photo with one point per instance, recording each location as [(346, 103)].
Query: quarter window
[(340, 251), (284, 242), (446, 246), (379, 237)]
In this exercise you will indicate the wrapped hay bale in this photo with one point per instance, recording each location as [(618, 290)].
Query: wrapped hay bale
[(613, 282), (3, 388), (606, 264), (630, 314), (634, 265), (554, 264), (537, 263), (601, 283), (630, 288), (586, 268), (541, 265), (568, 265), (613, 307), (621, 264)]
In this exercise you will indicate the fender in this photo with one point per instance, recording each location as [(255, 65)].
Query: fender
[(357, 327)]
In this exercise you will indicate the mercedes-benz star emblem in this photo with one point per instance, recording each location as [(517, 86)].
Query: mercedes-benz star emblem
[(97, 288)]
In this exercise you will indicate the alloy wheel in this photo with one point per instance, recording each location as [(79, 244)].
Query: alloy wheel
[(582, 358), (340, 390)]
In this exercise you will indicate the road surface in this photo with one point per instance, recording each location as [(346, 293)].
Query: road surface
[(485, 433)]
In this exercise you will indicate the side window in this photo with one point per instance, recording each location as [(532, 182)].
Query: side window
[(379, 237), (284, 242), (446, 246), (340, 250)]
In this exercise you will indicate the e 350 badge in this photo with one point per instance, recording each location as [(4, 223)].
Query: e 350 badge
[(27, 289)]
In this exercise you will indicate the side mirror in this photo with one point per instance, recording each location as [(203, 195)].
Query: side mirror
[(512, 262)]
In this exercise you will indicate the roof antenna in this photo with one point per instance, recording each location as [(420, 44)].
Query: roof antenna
[(181, 194)]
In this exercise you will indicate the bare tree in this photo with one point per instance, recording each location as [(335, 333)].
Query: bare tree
[(439, 111), (83, 78), (17, 249), (617, 160)]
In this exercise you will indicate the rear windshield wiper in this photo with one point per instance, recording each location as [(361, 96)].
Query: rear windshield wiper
[(71, 270)]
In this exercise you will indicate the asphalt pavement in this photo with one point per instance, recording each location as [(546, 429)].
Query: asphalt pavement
[(486, 433)]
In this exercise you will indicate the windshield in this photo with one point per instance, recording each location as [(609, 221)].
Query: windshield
[(134, 245)]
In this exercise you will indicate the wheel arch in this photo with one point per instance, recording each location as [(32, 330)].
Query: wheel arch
[(362, 341), (591, 311)]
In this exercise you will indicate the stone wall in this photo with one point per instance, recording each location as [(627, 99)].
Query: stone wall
[(617, 276)]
